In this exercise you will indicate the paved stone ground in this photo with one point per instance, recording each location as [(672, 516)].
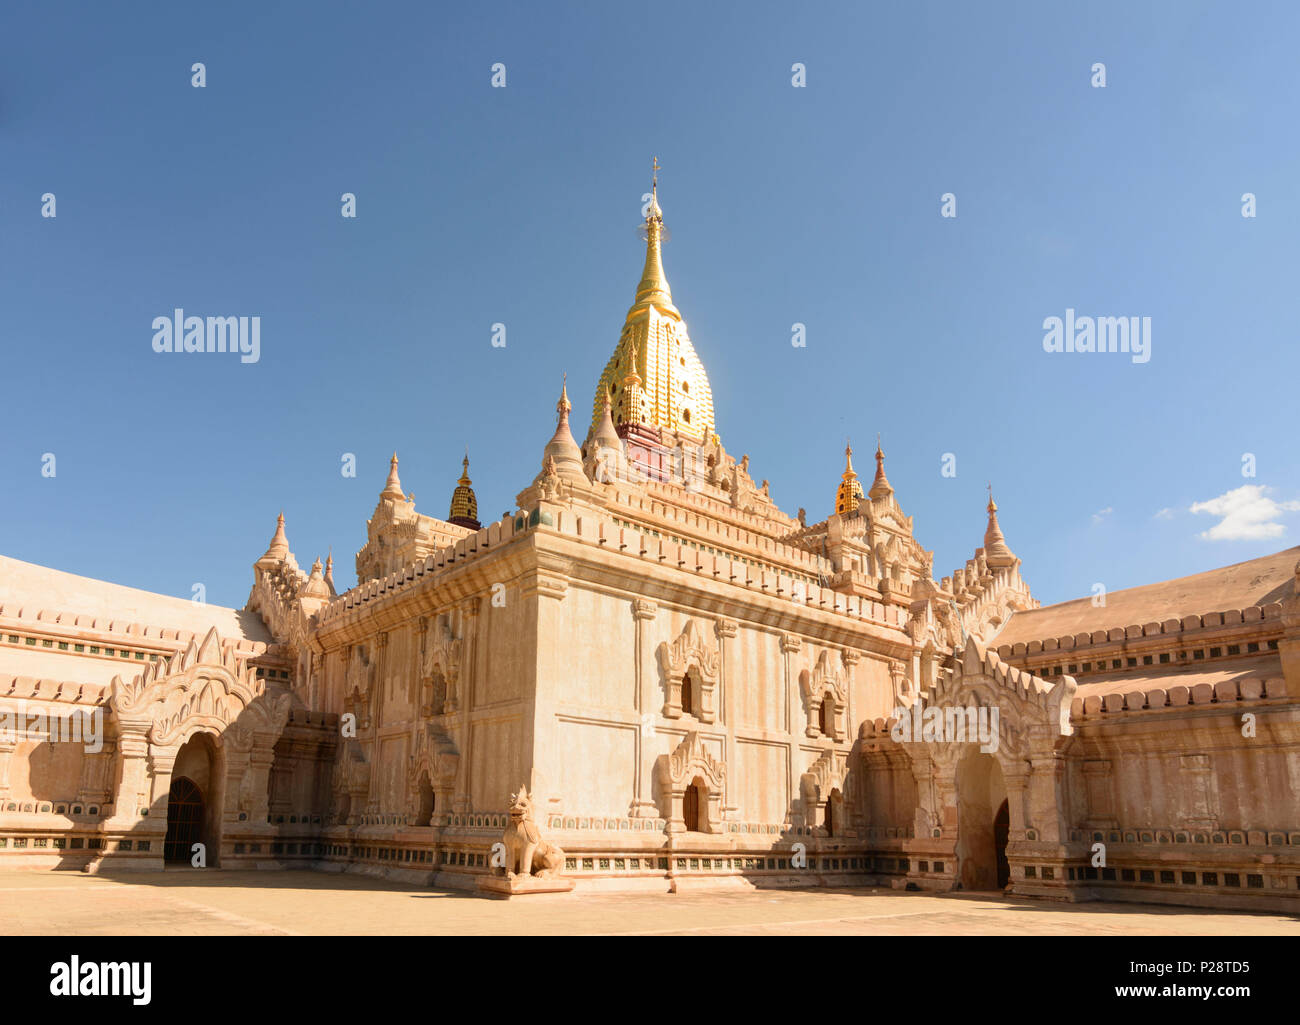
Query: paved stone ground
[(184, 902)]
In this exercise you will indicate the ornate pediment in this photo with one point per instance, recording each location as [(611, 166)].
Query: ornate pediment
[(435, 754), (442, 652), (360, 675), (692, 655), (826, 676), (824, 775), (206, 686), (692, 649), (691, 759), (351, 770)]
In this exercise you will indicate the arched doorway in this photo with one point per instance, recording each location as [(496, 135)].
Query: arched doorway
[(1001, 830), (424, 813), (832, 812), (694, 802), (194, 802), (184, 820), (981, 802), (688, 695)]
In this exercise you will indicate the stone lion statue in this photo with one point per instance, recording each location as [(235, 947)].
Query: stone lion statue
[(527, 853)]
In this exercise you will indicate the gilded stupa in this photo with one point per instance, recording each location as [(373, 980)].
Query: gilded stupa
[(670, 390), (849, 493), (464, 503)]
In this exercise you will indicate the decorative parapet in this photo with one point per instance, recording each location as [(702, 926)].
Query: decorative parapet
[(1096, 707), (31, 688), (1268, 617), (591, 526), (31, 620)]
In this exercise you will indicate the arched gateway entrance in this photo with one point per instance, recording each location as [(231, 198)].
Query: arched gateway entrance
[(983, 823), (193, 802), (184, 820)]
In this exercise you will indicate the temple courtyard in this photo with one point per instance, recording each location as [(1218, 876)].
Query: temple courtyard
[(183, 902)]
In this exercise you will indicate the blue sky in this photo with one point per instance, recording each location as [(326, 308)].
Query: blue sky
[(818, 205)]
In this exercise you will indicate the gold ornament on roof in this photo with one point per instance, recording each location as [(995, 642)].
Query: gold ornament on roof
[(464, 503), (849, 493), (671, 389)]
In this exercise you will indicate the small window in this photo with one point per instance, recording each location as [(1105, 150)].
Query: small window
[(826, 715)]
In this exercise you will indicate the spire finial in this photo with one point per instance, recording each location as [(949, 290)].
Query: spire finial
[(880, 487), (564, 405), (278, 550), (464, 503), (393, 486), (653, 289), (849, 493), (997, 553)]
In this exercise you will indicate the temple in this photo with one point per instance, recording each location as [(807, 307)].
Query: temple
[(696, 689)]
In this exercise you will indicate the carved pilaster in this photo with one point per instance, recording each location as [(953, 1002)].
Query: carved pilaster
[(7, 747), (644, 613), (132, 781)]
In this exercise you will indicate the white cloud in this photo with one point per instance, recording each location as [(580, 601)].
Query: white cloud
[(1164, 514), (1101, 514), (1245, 514)]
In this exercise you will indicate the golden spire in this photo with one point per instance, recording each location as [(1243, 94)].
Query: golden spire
[(880, 487), (464, 503), (393, 486), (674, 392), (631, 377), (653, 288), (997, 553), (850, 490)]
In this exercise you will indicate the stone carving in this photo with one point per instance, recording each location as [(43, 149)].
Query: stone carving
[(360, 672), (440, 671), (527, 853), (692, 655), (824, 781), (691, 761), (205, 686), (824, 682)]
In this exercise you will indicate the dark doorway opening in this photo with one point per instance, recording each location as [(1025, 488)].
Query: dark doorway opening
[(184, 820), (693, 803), (1001, 830)]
